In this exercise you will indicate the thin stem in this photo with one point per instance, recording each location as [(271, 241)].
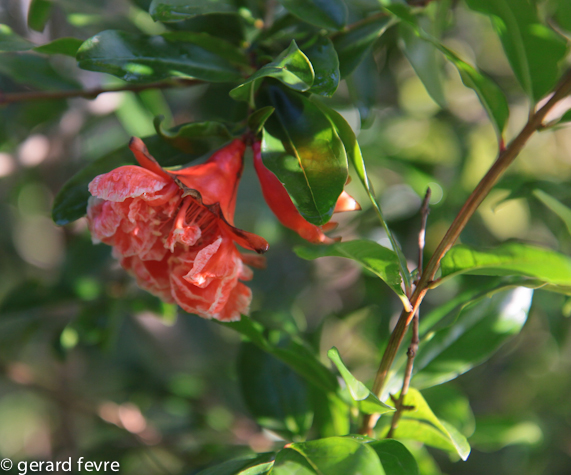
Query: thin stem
[(424, 212), (504, 160), (13, 97)]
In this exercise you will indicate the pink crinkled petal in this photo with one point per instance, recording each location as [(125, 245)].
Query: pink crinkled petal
[(188, 236), (127, 182), (238, 304), (152, 276), (103, 220)]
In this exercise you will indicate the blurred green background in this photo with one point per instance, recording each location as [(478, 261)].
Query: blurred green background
[(92, 366)]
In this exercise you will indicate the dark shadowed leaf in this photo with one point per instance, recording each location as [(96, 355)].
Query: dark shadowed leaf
[(10, 41), (325, 62), (395, 457), (177, 10), (35, 70), (67, 46), (258, 118), (39, 14), (331, 14), (196, 138), (138, 58), (380, 260), (367, 402), (291, 68), (301, 146), (340, 456), (556, 206), (533, 49), (353, 45), (496, 432), (275, 395)]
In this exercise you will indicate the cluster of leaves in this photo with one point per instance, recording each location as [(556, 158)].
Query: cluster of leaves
[(284, 72)]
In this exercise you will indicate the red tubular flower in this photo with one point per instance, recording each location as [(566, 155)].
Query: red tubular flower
[(281, 204), (173, 230)]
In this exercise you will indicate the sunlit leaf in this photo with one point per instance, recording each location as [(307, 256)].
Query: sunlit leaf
[(290, 462), (238, 466), (330, 14)]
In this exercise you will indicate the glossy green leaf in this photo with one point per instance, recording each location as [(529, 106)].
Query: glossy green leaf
[(138, 58), (258, 118), (291, 68), (356, 157), (195, 138), (395, 457), (331, 14), (480, 329), (422, 425), (275, 395), (39, 13), (380, 260), (556, 206), (301, 146), (511, 258), (331, 414), (35, 70), (66, 46), (238, 466), (323, 57), (178, 10), (366, 400), (71, 201), (340, 456), (290, 462), (533, 49), (353, 45), (10, 41)]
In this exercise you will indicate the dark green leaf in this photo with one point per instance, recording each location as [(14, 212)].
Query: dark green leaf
[(291, 67), (380, 260), (301, 146), (494, 433), (237, 466), (556, 206), (450, 404), (422, 425), (67, 46), (353, 45), (290, 462), (323, 57), (196, 138), (10, 41), (330, 14), (35, 70), (395, 457), (562, 14), (340, 456), (34, 295), (177, 10), (533, 49), (356, 157), (367, 402), (509, 259), (138, 58), (39, 14), (331, 414), (258, 118), (275, 395)]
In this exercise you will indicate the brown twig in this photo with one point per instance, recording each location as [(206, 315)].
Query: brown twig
[(13, 97), (505, 159), (424, 212)]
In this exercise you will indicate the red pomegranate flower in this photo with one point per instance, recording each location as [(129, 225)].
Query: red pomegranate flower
[(173, 230), (281, 204)]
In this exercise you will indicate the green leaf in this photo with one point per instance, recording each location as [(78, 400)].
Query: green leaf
[(395, 457), (258, 118), (301, 146), (275, 395), (39, 14), (238, 466), (290, 462), (37, 71), (533, 49), (380, 260), (138, 58), (511, 258), (331, 414), (10, 41), (452, 405), (331, 14), (195, 138), (340, 456), (494, 433), (556, 206), (291, 68), (353, 45), (66, 46), (422, 425), (323, 57), (356, 157), (366, 400), (178, 10), (562, 14), (480, 329)]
